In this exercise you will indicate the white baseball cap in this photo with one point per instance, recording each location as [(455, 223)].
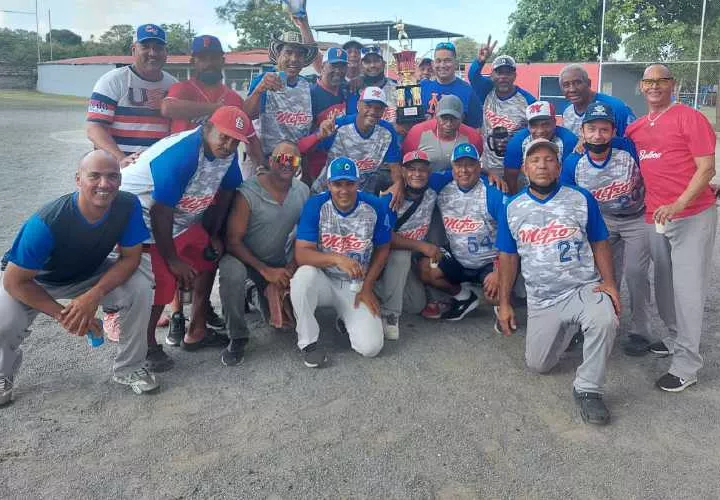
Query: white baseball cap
[(540, 109), (373, 94)]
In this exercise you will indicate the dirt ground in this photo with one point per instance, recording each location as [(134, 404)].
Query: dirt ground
[(449, 411)]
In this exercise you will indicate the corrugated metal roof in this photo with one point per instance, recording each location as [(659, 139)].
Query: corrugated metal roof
[(250, 57), (379, 30)]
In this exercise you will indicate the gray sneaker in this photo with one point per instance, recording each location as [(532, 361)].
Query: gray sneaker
[(140, 381), (6, 389), (592, 408), (391, 326)]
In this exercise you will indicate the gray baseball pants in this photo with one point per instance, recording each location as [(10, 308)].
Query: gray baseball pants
[(683, 259), (133, 300), (399, 289), (549, 331), (232, 274)]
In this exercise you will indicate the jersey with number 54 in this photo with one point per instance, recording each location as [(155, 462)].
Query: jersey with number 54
[(470, 218), (553, 237)]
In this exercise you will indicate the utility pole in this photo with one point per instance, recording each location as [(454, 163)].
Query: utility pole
[(37, 29), (50, 34)]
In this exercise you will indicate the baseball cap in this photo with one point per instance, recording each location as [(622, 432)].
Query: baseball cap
[(146, 32), (465, 151), (539, 110), (373, 94), (335, 55), (425, 61), (539, 143), (599, 111), (232, 121), (352, 43), (372, 49), (206, 43), (450, 104), (342, 168), (501, 61), (416, 155)]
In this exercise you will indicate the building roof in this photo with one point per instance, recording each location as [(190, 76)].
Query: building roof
[(253, 57), (379, 30)]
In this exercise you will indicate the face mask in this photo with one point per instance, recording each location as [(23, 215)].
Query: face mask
[(598, 149), (414, 192), (210, 77), (543, 189), (371, 81)]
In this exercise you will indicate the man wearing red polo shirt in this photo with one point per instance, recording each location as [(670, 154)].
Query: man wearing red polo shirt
[(676, 146)]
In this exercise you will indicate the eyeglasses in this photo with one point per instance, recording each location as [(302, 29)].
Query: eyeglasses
[(288, 160), (446, 46), (660, 82)]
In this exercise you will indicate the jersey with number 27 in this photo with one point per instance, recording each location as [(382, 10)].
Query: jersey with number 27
[(553, 237)]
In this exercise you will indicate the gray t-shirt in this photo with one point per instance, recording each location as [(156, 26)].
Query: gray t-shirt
[(271, 223)]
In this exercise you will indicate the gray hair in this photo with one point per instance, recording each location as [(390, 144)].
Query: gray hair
[(574, 67)]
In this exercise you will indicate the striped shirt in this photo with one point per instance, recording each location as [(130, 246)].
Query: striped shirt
[(130, 106)]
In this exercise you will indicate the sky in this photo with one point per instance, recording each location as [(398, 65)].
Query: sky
[(476, 19)]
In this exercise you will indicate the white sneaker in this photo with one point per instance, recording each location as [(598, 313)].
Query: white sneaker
[(6, 388), (496, 325), (140, 381), (391, 327)]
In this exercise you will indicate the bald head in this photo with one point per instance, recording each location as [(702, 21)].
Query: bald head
[(657, 71), (95, 157), (98, 181), (657, 86)]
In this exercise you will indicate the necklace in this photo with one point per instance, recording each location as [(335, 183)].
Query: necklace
[(652, 121)]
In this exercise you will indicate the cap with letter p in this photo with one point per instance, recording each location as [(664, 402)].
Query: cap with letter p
[(599, 111), (465, 151), (206, 44), (232, 121), (335, 55), (147, 32), (342, 169), (373, 94)]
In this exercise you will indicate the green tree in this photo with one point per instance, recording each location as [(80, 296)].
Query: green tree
[(65, 37), (255, 21), (179, 38), (118, 39), (466, 49)]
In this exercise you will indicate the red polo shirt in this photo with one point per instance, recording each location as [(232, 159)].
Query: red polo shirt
[(194, 90)]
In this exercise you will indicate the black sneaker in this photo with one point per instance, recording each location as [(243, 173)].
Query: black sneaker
[(213, 319), (671, 383), (211, 339), (460, 308), (176, 332), (659, 349), (636, 345), (157, 361), (592, 408), (234, 353), (314, 357)]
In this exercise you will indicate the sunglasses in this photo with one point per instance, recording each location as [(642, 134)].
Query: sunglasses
[(374, 49), (288, 160), (660, 82), (446, 46)]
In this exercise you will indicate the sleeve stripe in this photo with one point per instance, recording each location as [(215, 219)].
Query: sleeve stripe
[(103, 98)]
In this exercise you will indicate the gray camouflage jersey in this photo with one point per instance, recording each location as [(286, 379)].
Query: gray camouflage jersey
[(287, 115), (417, 225), (508, 113), (552, 241)]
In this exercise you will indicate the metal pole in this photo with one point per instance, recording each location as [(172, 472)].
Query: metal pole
[(699, 59), (387, 49), (50, 33), (602, 45), (37, 29)]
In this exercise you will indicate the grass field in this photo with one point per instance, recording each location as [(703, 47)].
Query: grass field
[(31, 98)]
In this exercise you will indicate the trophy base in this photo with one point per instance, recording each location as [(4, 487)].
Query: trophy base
[(410, 114)]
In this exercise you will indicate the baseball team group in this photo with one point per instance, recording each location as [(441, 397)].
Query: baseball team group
[(309, 195)]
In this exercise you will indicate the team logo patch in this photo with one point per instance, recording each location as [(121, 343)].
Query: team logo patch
[(547, 234), (649, 155), (599, 110), (535, 107), (151, 29), (239, 123), (464, 225), (612, 191), (343, 244)]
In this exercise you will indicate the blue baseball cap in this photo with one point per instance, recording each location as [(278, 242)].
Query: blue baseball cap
[(342, 168), (370, 50), (599, 111), (335, 55), (465, 151), (147, 32), (206, 43)]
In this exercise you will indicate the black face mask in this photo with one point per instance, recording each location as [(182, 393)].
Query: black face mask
[(544, 189), (373, 81), (414, 192), (210, 77), (598, 149)]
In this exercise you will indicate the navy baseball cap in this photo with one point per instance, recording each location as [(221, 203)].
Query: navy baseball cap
[(147, 32), (599, 111), (335, 55), (465, 151), (372, 49), (206, 43), (342, 168)]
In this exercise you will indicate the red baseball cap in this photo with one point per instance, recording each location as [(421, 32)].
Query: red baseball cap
[(232, 121), (416, 155)]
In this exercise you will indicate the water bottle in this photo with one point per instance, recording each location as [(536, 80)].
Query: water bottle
[(95, 340), (356, 285)]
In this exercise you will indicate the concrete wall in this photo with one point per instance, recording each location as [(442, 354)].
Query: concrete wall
[(66, 79), (15, 78), (622, 81)]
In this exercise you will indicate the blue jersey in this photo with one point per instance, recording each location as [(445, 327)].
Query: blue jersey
[(178, 172), (65, 248), (616, 184), (624, 116), (469, 217), (552, 237), (564, 139), (369, 152), (354, 234), (432, 90)]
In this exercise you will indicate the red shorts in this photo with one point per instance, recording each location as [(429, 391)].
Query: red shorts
[(189, 247)]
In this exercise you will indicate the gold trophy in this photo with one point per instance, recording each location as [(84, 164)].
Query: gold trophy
[(409, 99)]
